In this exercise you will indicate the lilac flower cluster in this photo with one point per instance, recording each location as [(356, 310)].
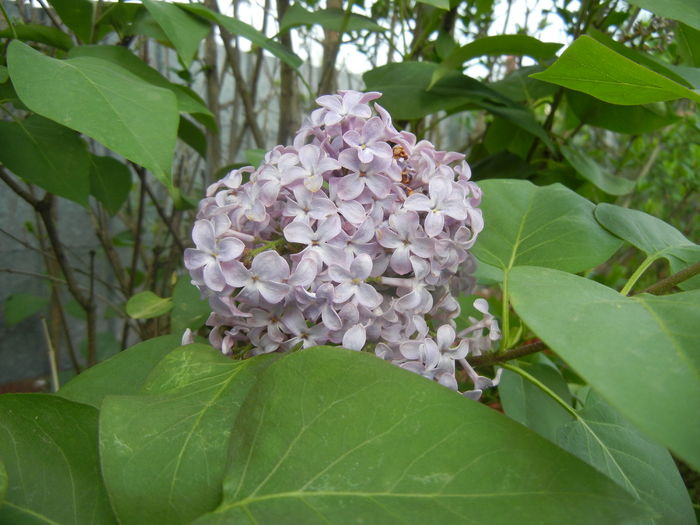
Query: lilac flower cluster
[(351, 236)]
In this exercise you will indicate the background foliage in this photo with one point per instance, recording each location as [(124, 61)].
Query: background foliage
[(588, 157)]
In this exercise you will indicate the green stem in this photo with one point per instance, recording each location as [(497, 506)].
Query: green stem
[(9, 22), (505, 313), (539, 384), (638, 273)]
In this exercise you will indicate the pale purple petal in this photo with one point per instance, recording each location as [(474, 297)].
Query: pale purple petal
[(355, 337)]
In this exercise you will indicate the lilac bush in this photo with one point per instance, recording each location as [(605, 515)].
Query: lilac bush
[(356, 235)]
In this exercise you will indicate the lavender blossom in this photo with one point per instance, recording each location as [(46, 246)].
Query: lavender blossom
[(354, 235)]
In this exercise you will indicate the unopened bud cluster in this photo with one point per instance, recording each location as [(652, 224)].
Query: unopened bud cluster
[(353, 236)]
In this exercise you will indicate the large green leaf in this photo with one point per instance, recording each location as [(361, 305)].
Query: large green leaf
[(77, 15), (187, 101), (653, 236), (688, 41), (604, 439), (331, 19), (687, 11), (590, 170), (164, 452), (633, 120), (529, 405), (122, 374), (102, 100), (110, 182), (496, 45), (544, 226), (237, 27), (49, 448), (184, 31), (191, 135), (48, 35), (332, 436), (3, 482), (51, 156), (406, 95), (641, 353), (591, 67)]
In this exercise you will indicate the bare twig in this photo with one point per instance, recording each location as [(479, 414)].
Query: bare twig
[(52, 356)]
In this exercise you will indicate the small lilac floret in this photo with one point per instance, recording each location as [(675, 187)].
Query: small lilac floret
[(357, 235)]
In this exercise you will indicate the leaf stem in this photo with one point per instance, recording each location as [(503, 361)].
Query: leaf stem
[(539, 384), (638, 273), (9, 22), (505, 313), (493, 358)]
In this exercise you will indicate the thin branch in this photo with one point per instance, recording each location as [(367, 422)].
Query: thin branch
[(501, 357), (666, 285), (159, 209)]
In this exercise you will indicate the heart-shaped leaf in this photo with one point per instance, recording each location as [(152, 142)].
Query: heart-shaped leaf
[(49, 448), (163, 452), (330, 435), (122, 374), (544, 226), (653, 236), (44, 153), (110, 182), (641, 353), (102, 100)]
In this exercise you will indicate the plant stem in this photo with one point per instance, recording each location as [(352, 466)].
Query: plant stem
[(493, 358), (544, 389), (667, 284), (638, 273), (7, 19), (52, 356)]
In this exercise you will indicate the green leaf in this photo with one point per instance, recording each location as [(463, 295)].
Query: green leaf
[(77, 15), (649, 61), (255, 157), (406, 97), (651, 235), (440, 4), (604, 439), (331, 19), (495, 46), (122, 374), (3, 482), (687, 11), (4, 76), (110, 182), (246, 31), (519, 86), (592, 172), (101, 100), (164, 452), (640, 353), (184, 31), (187, 100), (46, 154), (189, 309), (327, 435), (191, 135), (591, 67), (545, 226), (38, 33), (530, 406), (634, 120), (49, 448), (688, 41), (147, 305), (19, 306)]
